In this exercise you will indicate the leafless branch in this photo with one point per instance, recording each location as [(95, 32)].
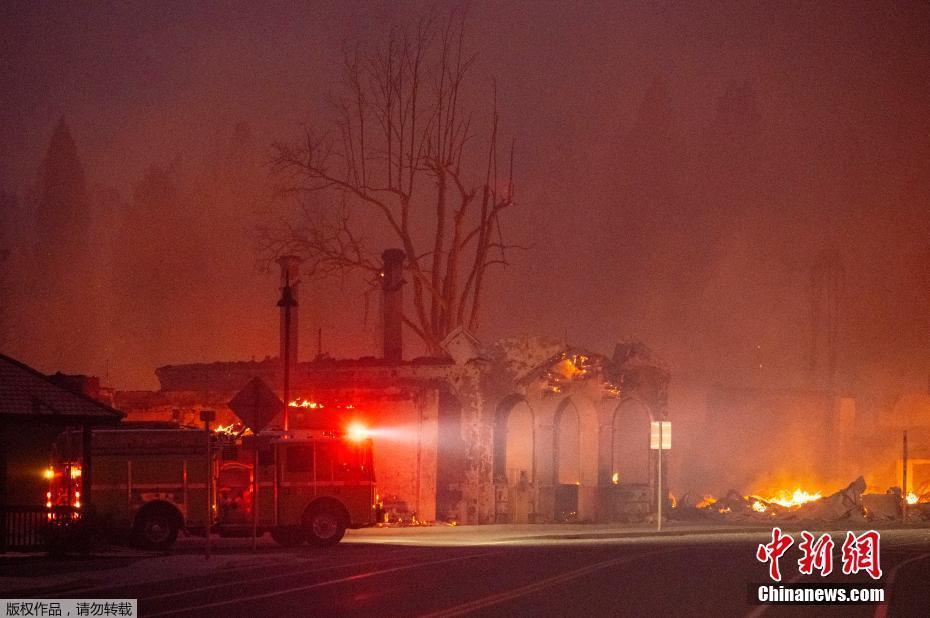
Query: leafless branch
[(397, 154)]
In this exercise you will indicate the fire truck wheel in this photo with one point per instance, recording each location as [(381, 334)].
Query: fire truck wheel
[(288, 537), (156, 529), (325, 525)]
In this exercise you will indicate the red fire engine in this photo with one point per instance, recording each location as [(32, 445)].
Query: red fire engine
[(311, 485)]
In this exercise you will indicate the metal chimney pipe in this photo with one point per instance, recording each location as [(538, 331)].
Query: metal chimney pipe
[(290, 265), (392, 285)]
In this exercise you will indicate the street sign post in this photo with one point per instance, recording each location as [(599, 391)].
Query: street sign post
[(904, 479), (660, 439), (208, 416), (256, 404)]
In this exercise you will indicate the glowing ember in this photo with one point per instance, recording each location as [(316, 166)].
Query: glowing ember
[(305, 403), (759, 507), (572, 367), (912, 498), (615, 479), (799, 497)]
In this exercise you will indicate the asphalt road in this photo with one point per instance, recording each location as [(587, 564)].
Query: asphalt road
[(667, 577)]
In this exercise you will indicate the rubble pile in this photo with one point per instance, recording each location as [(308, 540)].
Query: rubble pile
[(848, 504)]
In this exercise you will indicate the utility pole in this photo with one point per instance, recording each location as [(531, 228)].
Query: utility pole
[(904, 478), (287, 303), (254, 492)]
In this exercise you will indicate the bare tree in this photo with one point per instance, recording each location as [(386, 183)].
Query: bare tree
[(402, 151)]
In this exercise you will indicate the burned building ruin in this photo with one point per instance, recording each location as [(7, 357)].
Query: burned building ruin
[(524, 430)]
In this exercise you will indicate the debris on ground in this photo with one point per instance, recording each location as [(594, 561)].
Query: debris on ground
[(886, 506), (844, 504), (849, 504)]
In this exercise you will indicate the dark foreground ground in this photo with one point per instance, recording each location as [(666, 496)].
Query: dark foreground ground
[(545, 575)]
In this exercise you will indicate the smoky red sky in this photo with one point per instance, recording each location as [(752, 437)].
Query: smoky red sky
[(682, 172)]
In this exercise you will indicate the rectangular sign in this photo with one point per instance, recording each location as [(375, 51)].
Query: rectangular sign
[(666, 429), (126, 608)]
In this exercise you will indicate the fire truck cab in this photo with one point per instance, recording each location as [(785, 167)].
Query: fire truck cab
[(154, 483)]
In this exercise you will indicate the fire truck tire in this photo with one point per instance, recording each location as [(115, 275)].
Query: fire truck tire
[(288, 537), (325, 524), (156, 527)]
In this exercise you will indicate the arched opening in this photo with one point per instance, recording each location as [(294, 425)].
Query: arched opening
[(567, 461), (630, 462), (514, 460), (519, 447)]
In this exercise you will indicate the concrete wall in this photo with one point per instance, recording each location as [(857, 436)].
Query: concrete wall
[(405, 436)]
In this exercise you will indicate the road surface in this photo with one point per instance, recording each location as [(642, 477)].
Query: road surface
[(702, 575)]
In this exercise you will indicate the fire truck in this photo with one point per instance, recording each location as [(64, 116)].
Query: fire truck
[(152, 483)]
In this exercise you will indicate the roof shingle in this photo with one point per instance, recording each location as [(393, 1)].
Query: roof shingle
[(25, 392)]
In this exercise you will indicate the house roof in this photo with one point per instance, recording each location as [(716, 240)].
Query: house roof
[(28, 394)]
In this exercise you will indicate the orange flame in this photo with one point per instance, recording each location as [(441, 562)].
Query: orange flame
[(796, 498)]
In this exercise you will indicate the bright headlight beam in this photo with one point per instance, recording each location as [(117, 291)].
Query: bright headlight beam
[(357, 432)]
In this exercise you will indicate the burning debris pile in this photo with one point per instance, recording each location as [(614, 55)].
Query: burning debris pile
[(849, 504)]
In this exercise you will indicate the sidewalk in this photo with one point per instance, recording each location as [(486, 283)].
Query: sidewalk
[(517, 533), (672, 532)]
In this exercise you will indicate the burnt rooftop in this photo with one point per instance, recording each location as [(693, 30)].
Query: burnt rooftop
[(231, 376)]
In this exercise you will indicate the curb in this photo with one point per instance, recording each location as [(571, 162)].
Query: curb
[(638, 535)]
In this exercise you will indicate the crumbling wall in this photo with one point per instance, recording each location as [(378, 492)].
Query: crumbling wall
[(550, 376), (405, 438), (477, 434), (451, 458)]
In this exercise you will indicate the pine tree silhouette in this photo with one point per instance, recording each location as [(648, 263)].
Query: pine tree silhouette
[(62, 213), (64, 323)]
